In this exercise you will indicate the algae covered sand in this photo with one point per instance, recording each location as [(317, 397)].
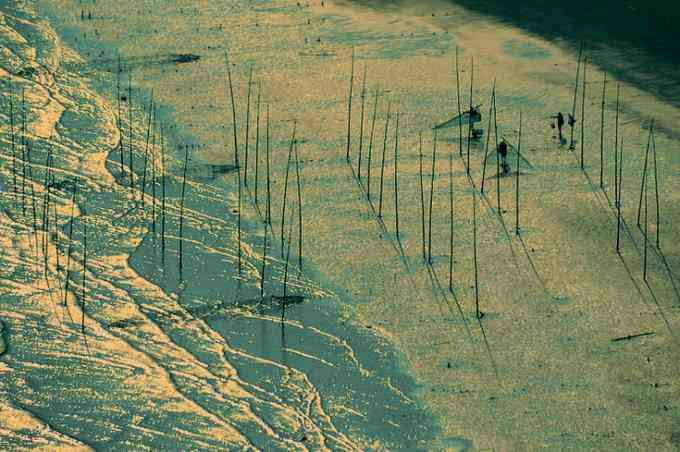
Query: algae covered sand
[(541, 370)]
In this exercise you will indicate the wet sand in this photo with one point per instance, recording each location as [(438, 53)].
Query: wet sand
[(540, 371)]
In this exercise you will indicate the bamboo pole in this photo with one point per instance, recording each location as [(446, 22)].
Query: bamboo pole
[(478, 313), (239, 206), (285, 186), (269, 190), (163, 189), (656, 190), (146, 148), (245, 163), (498, 169), (644, 263), (470, 126), (46, 200), (460, 123), (349, 106), (573, 108), (519, 149), (233, 108), (604, 88), (382, 166), (153, 172), (361, 122), (434, 162), (285, 278), (23, 151), (370, 145), (257, 141), (583, 108), (616, 146), (181, 208), (396, 173), (82, 319), (132, 179), (644, 170), (451, 221), (618, 196), (299, 197), (422, 191), (488, 135), (70, 243), (264, 262), (12, 132), (120, 121), (33, 205)]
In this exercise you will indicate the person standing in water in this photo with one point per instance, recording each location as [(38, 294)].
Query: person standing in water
[(560, 124), (503, 152)]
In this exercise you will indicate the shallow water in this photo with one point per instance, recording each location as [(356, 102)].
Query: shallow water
[(167, 362), (535, 371)]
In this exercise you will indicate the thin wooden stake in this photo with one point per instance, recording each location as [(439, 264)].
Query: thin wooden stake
[(470, 124), (285, 278), (382, 165), (181, 208), (153, 173), (434, 163), (163, 185), (132, 179), (616, 146), (82, 320), (604, 88), (519, 149), (460, 123), (285, 186), (120, 120), (478, 313), (349, 106), (24, 143), (370, 145), (498, 168), (644, 170), (146, 148), (264, 262), (618, 204), (233, 108), (573, 108), (298, 179), (396, 173), (488, 135), (245, 163), (583, 108), (11, 124), (361, 123), (239, 206), (451, 221), (656, 190), (269, 190), (257, 142), (70, 243), (644, 271), (422, 192)]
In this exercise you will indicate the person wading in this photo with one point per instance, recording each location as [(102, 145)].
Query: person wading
[(560, 124), (503, 152)]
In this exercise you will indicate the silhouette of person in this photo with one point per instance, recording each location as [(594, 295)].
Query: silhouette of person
[(560, 124), (503, 152)]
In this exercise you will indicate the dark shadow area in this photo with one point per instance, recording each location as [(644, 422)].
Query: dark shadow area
[(636, 40)]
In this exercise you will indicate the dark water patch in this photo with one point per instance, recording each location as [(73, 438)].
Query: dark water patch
[(184, 58)]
